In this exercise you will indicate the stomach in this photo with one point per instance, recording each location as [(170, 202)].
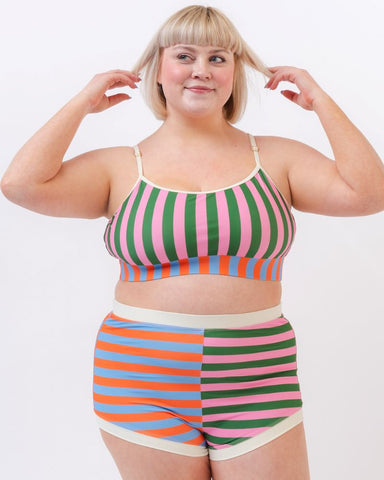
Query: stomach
[(201, 294)]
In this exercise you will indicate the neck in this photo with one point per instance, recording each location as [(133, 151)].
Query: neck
[(196, 128)]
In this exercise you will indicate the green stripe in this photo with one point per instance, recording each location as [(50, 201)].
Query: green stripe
[(246, 392), (271, 216), (250, 364), (168, 231), (147, 227), (234, 222), (223, 440), (131, 222), (251, 332), (248, 378), (262, 422), (190, 225), (213, 224), (282, 213), (255, 221), (248, 348), (252, 407)]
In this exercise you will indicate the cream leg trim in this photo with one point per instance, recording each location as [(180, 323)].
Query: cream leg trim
[(255, 442), (152, 442)]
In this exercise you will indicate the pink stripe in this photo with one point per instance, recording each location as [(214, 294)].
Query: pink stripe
[(179, 226), (267, 382), (223, 221), (245, 222), (264, 219), (243, 342), (288, 213), (235, 432), (256, 415), (248, 357), (157, 227), (249, 371), (274, 322), (138, 226), (279, 221), (266, 397), (124, 224), (201, 225)]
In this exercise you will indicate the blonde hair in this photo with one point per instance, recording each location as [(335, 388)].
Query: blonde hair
[(198, 25)]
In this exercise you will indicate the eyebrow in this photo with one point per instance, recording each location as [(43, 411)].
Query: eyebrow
[(187, 47)]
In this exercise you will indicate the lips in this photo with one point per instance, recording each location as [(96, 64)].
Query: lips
[(199, 88)]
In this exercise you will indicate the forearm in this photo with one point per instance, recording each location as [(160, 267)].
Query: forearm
[(40, 158), (357, 162)]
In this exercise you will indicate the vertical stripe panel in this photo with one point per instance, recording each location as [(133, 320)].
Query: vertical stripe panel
[(157, 227), (223, 221), (179, 226), (201, 225)]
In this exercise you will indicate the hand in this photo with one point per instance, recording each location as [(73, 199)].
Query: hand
[(94, 91), (310, 91)]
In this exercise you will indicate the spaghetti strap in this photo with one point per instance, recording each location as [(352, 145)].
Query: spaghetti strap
[(255, 149), (138, 160)]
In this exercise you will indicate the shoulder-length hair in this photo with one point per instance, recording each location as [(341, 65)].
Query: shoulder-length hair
[(198, 25)]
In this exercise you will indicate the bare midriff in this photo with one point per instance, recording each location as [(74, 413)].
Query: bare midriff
[(201, 294)]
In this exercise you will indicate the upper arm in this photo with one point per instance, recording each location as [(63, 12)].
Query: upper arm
[(315, 183), (79, 189)]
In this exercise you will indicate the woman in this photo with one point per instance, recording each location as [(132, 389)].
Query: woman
[(195, 374)]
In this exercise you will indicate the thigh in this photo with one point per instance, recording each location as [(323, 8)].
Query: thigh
[(284, 458), (137, 462)]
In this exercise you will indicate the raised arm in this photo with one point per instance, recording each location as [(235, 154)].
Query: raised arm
[(353, 183), (39, 180)]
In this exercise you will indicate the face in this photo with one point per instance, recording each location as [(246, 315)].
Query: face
[(196, 80)]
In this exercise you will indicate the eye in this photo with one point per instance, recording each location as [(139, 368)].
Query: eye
[(183, 56), (218, 59)]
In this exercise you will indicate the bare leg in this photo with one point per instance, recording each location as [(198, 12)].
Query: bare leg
[(284, 458), (137, 462)]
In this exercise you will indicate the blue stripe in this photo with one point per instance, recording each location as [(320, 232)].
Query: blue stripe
[(184, 437), (214, 264), (142, 360), (194, 265), (148, 377), (141, 392), (274, 269), (174, 268), (151, 344), (157, 271), (108, 408), (151, 425), (233, 266), (250, 267), (152, 327), (263, 270)]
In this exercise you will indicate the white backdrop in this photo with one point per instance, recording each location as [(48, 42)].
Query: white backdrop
[(57, 279)]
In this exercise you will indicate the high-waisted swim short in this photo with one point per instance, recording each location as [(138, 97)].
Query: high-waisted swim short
[(192, 384)]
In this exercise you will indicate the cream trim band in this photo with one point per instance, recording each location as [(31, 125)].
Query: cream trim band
[(225, 320), (197, 451), (258, 441), (152, 442)]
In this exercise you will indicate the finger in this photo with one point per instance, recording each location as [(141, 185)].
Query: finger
[(118, 98), (290, 95)]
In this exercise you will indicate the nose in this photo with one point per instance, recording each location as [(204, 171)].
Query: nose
[(201, 70)]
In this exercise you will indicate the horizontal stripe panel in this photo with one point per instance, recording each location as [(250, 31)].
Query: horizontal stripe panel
[(233, 351), (289, 377), (148, 377), (253, 407), (277, 362), (249, 384), (236, 341), (235, 392), (267, 397), (264, 355), (142, 392), (142, 384), (138, 409)]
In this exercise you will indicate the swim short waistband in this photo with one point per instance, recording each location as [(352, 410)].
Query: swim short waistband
[(225, 320)]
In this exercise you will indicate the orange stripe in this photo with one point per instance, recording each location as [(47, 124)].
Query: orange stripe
[(195, 441), (242, 267), (203, 264), (166, 432), (143, 417), (166, 270), (147, 352), (184, 266), (136, 367), (269, 269), (196, 338), (257, 268), (117, 400), (128, 383), (224, 265)]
